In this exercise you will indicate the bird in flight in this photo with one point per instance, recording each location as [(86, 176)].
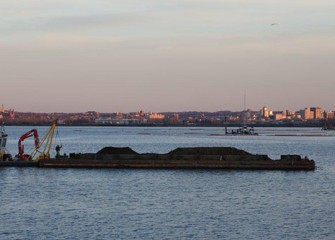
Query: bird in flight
[(272, 24)]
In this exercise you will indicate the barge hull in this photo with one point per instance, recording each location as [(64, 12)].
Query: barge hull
[(180, 164), (19, 164)]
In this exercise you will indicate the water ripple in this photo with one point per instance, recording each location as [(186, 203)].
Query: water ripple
[(171, 204)]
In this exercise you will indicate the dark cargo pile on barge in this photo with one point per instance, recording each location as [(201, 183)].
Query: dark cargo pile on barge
[(183, 151), (116, 150)]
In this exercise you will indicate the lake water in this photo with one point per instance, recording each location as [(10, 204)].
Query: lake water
[(171, 204)]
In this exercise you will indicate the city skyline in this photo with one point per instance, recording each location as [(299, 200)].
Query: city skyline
[(111, 56), (308, 117), (4, 109)]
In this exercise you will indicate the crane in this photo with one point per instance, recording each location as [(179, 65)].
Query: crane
[(21, 154), (44, 144)]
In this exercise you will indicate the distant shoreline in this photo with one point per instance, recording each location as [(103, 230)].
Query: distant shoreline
[(307, 125)]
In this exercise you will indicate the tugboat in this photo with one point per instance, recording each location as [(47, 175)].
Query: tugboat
[(245, 130), (4, 153)]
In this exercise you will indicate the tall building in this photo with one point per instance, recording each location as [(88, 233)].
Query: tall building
[(308, 114), (317, 113), (156, 116), (330, 115), (175, 117), (265, 112), (313, 113), (279, 116)]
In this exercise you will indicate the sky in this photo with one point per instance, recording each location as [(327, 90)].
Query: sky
[(176, 55)]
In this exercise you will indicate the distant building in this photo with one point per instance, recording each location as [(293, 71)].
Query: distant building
[(105, 120), (317, 113), (12, 114), (266, 112), (290, 114), (330, 115), (312, 113), (308, 114), (141, 113), (174, 118), (278, 116), (156, 116), (92, 114)]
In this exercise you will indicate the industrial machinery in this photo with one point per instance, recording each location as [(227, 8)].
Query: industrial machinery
[(21, 155), (43, 149)]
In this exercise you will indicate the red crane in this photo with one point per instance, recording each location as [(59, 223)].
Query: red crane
[(31, 133)]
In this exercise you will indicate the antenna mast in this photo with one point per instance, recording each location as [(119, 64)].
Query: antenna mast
[(245, 100)]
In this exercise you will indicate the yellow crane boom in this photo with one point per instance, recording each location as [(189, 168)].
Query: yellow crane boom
[(45, 143)]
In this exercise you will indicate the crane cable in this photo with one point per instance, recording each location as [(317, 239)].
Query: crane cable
[(46, 141), (58, 137)]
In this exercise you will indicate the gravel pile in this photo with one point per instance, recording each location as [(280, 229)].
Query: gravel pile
[(209, 151)]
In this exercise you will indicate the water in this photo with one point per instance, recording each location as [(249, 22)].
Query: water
[(171, 204)]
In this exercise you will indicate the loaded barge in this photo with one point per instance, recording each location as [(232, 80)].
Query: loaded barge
[(180, 158), (112, 157)]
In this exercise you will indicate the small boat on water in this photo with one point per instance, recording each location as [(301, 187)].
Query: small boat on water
[(4, 153), (245, 130)]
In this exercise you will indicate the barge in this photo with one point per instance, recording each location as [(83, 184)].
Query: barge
[(113, 157), (180, 158)]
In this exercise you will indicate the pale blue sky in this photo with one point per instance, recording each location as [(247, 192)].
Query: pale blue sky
[(75, 56)]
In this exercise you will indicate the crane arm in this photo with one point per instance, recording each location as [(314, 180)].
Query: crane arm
[(28, 134), (46, 143)]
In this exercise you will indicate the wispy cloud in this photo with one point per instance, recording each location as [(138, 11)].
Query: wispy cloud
[(163, 47), (162, 19)]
